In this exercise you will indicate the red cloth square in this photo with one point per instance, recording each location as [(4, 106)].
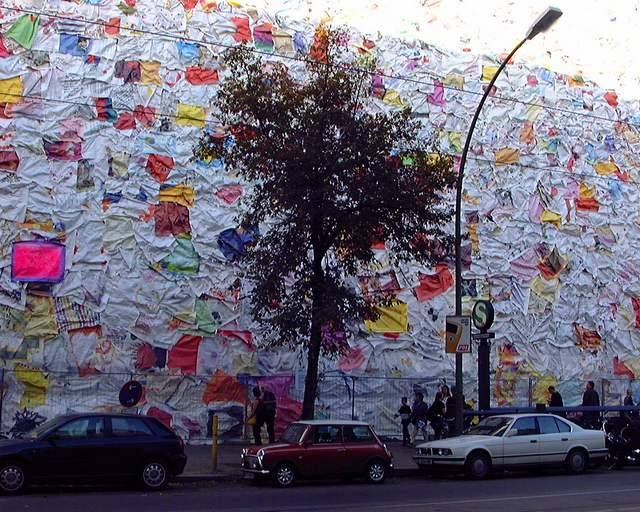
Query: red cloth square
[(171, 219), (159, 166), (184, 354)]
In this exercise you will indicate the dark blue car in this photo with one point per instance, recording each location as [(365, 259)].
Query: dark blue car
[(90, 448)]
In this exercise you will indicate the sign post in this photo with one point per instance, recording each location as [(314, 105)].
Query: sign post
[(458, 335), (483, 315)]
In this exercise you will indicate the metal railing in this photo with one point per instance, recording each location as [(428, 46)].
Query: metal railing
[(189, 402)]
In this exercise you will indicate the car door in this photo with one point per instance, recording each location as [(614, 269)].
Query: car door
[(553, 444), (131, 441), (521, 442), (360, 444), (76, 449), (325, 455)]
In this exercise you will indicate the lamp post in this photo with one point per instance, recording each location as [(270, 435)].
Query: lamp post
[(542, 24)]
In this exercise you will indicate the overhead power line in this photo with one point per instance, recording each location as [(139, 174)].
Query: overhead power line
[(301, 59)]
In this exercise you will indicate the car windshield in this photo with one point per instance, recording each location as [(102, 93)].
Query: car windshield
[(293, 433), (494, 426), (46, 426)]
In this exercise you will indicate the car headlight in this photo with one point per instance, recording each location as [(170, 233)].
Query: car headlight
[(442, 451), (424, 451)]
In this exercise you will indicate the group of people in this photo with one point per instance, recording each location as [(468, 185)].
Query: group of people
[(590, 398), (440, 414)]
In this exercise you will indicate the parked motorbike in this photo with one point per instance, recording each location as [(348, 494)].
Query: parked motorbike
[(623, 441)]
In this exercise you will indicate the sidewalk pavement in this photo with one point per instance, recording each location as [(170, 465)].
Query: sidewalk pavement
[(199, 462)]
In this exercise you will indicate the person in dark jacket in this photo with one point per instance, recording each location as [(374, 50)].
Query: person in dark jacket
[(419, 414), (590, 398), (269, 407), (257, 415), (405, 418), (436, 416), (450, 412), (628, 401), (555, 400)]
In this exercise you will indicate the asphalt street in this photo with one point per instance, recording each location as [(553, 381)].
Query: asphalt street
[(600, 491)]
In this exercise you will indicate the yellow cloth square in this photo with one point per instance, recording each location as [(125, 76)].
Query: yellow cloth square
[(587, 192), (190, 115), (454, 80), (41, 318), (605, 168), (150, 72), (11, 90), (180, 194), (507, 156), (488, 72), (393, 98), (35, 385), (552, 218), (393, 319)]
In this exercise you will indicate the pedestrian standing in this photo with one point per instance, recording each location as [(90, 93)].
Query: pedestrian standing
[(436, 415), (256, 418), (555, 400), (269, 412), (405, 417), (628, 401), (590, 398), (419, 413), (450, 412)]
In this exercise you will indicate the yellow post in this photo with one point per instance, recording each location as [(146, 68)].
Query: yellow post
[(214, 442)]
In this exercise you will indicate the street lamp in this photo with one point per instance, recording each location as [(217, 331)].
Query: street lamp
[(542, 24)]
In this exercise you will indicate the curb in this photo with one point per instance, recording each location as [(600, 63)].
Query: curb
[(209, 477), (237, 477)]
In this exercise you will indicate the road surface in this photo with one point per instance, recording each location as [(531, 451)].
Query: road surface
[(600, 491)]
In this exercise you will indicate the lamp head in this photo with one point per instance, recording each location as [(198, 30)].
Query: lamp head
[(544, 22)]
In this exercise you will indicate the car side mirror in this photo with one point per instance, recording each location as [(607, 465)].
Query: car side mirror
[(307, 442), (512, 432)]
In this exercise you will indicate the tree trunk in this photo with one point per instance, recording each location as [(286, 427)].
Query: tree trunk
[(311, 380), (315, 341)]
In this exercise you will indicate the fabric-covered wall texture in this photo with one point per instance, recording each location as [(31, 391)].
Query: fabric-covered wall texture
[(98, 120)]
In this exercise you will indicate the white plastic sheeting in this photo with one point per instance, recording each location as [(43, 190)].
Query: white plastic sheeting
[(98, 121)]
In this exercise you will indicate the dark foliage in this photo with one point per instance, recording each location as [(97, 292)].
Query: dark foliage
[(330, 179)]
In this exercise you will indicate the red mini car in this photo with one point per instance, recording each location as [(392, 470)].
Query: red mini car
[(316, 449)]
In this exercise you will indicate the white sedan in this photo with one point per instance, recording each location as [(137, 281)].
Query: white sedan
[(515, 440)]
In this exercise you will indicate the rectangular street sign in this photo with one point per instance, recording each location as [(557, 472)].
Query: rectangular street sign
[(484, 336), (458, 335)]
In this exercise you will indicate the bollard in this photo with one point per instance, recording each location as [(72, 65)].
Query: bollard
[(214, 442), (1, 395)]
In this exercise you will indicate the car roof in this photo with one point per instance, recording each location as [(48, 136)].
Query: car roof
[(332, 422), (524, 415), (96, 414)]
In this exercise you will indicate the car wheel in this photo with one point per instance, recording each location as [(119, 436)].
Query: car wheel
[(376, 471), (577, 461), (13, 478), (284, 475), (155, 475), (478, 466)]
